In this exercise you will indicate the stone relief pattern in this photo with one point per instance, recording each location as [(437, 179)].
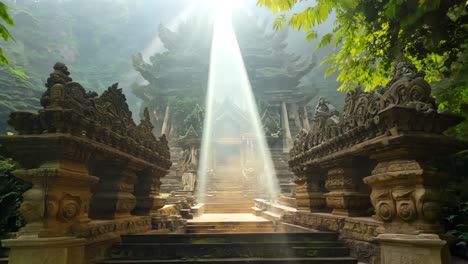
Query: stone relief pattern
[(104, 230), (364, 116), (347, 227), (357, 235), (68, 108), (365, 252)]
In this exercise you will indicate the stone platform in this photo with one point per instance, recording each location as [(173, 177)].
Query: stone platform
[(230, 223)]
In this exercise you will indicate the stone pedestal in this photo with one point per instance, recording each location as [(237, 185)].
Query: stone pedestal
[(412, 249), (66, 250), (348, 196)]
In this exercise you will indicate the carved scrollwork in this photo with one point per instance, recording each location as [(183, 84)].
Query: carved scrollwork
[(402, 104), (385, 210), (69, 108), (69, 208), (406, 210)]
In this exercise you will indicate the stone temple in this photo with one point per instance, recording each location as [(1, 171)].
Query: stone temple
[(355, 176)]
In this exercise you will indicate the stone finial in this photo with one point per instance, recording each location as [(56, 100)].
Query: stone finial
[(403, 68), (60, 75)]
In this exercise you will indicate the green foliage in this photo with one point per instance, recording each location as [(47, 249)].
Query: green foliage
[(455, 204), (370, 34), (182, 106), (96, 48), (4, 33), (11, 190)]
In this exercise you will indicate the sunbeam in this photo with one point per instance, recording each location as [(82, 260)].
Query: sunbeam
[(229, 82)]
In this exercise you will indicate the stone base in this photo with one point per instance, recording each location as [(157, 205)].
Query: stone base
[(66, 250), (413, 249)]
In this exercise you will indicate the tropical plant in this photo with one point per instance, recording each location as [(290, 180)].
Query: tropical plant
[(369, 34), (4, 33), (455, 205), (11, 190)]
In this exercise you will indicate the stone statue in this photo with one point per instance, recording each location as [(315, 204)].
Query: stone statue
[(325, 115), (188, 166)]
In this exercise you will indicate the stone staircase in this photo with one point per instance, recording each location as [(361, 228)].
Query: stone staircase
[(229, 201), (256, 248), (172, 182), (283, 173)]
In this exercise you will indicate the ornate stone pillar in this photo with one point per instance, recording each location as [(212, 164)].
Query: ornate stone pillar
[(310, 191), (406, 197), (59, 198), (287, 138), (114, 196), (147, 193), (406, 194), (348, 195)]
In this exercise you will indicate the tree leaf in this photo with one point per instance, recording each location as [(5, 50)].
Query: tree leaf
[(4, 33), (311, 35), (4, 14), (3, 59)]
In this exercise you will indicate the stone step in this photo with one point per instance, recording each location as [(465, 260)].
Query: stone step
[(228, 208), (230, 227), (256, 248), (210, 210), (231, 238), (226, 250), (229, 224), (229, 230), (332, 260)]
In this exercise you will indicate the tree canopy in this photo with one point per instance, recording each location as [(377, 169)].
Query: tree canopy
[(369, 34)]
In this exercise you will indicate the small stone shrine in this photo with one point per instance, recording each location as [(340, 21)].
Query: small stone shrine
[(95, 174), (367, 175)]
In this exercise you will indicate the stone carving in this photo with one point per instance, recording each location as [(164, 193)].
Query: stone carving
[(68, 108), (368, 114), (69, 207), (400, 202), (325, 115), (395, 131), (271, 121), (405, 104), (95, 174), (365, 252), (32, 207)]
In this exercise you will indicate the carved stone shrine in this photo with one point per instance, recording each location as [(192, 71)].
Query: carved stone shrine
[(95, 174)]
